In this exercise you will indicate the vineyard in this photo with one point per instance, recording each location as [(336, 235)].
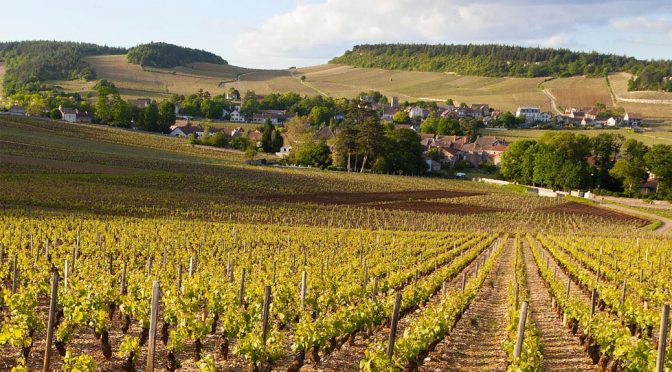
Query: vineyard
[(128, 251)]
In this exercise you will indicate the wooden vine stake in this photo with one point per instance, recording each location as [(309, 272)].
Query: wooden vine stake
[(65, 276), (51, 321), (393, 324), (303, 288), (123, 279), (241, 292), (153, 319), (265, 313), (179, 278), (14, 273), (662, 340), (521, 330), (593, 302), (624, 291)]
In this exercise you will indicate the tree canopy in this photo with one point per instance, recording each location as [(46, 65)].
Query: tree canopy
[(158, 54)]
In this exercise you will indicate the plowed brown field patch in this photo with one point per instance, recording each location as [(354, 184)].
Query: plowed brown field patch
[(435, 207), (343, 198), (587, 210)]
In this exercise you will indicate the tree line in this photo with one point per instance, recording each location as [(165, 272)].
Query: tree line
[(362, 143), (111, 109), (505, 60), (606, 162)]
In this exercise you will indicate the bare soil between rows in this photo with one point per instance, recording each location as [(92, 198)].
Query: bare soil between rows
[(587, 210), (435, 207), (349, 198)]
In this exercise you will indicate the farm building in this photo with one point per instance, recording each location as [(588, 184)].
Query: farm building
[(237, 117), (632, 118), (17, 110), (140, 102), (68, 114), (186, 131)]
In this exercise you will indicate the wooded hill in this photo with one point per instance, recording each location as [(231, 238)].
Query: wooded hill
[(168, 55), (504, 60), (29, 64)]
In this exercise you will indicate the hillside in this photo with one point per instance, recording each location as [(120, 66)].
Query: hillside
[(505, 93), (504, 60), (28, 64), (169, 55), (135, 81)]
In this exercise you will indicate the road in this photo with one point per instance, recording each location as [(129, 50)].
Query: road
[(552, 98)]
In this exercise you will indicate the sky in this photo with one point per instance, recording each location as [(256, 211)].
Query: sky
[(284, 33)]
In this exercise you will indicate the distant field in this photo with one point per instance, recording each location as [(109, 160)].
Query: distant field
[(135, 82), (649, 137), (579, 91), (504, 93), (655, 107), (346, 81)]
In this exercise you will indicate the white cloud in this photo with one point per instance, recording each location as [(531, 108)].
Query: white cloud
[(324, 30), (639, 24)]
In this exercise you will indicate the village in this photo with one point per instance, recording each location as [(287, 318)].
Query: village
[(441, 151)]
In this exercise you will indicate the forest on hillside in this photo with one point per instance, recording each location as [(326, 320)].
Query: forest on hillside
[(168, 55), (504, 60), (29, 63)]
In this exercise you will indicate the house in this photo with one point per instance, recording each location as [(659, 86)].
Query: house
[(485, 149), (16, 110), (530, 113), (432, 165), (84, 117), (611, 122), (394, 101), (387, 113), (648, 187), (417, 112), (237, 117), (367, 99), (325, 133), (68, 114), (255, 136), (284, 151), (140, 102), (186, 130), (74, 115), (632, 119), (275, 116), (482, 108), (545, 117), (233, 95), (234, 133)]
